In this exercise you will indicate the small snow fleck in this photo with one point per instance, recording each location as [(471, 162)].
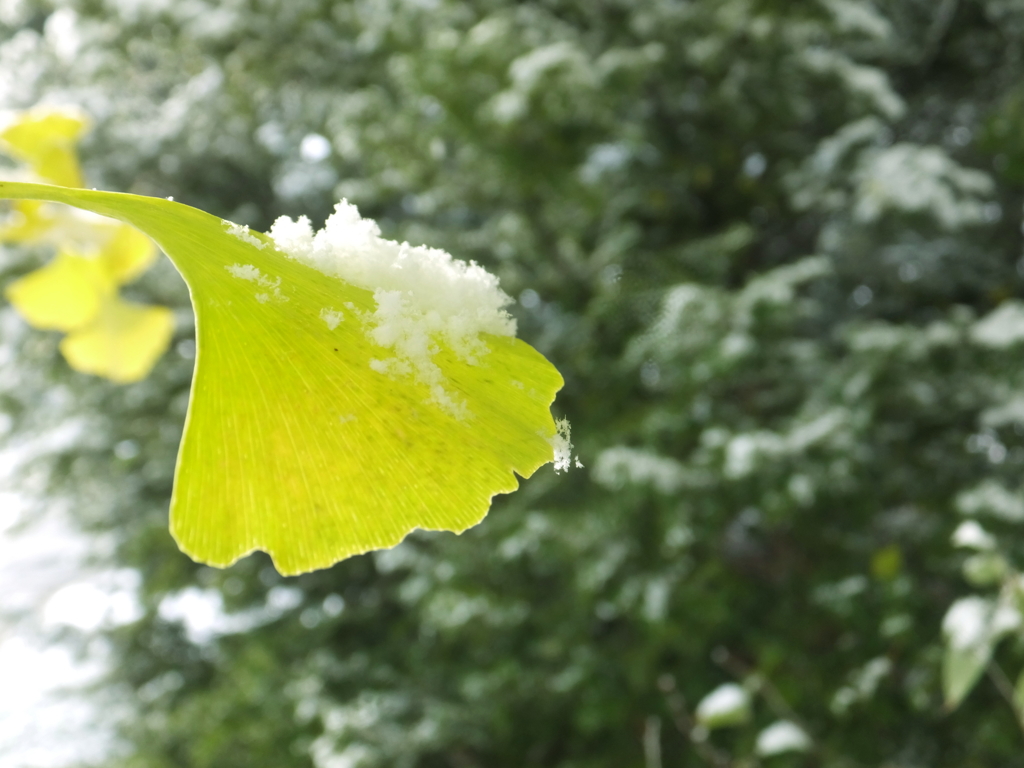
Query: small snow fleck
[(253, 275), (242, 233), (244, 272), (332, 317)]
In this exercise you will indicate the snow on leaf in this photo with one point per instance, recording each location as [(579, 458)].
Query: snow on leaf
[(620, 465), (923, 179), (972, 626), (728, 704), (782, 736), (989, 497), (1001, 328), (970, 535)]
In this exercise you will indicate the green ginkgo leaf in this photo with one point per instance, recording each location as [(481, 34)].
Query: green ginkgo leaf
[(314, 432)]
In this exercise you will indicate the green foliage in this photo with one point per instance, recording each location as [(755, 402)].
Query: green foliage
[(774, 252)]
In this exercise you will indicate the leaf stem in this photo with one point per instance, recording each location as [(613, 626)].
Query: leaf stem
[(688, 727), (1005, 688)]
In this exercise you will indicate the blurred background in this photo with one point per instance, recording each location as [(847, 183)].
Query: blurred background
[(773, 247)]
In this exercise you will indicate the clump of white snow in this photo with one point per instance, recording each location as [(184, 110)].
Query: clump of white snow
[(242, 233), (728, 704), (966, 621), (244, 272), (423, 296), (970, 535), (562, 444), (620, 465), (990, 497), (332, 317), (1001, 328), (782, 736)]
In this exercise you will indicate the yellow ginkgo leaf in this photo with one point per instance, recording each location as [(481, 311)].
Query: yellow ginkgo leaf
[(45, 139), (127, 254), (348, 389), (122, 343), (65, 294), (77, 291), (26, 222)]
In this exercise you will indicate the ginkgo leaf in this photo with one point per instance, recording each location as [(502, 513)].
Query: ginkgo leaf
[(299, 441), (77, 294), (127, 254), (45, 139), (63, 295), (122, 342), (26, 222), (78, 291)]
